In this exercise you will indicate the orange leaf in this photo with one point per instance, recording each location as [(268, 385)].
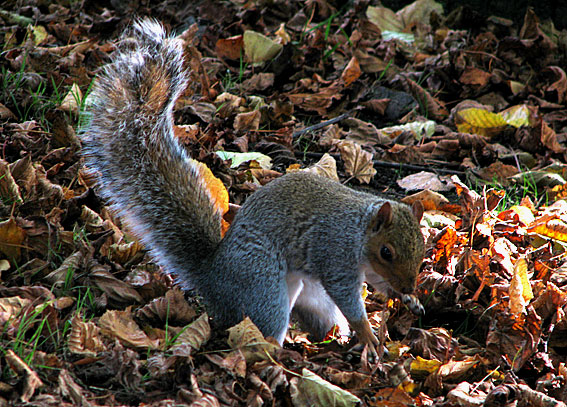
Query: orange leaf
[(352, 72), (216, 190), (230, 48)]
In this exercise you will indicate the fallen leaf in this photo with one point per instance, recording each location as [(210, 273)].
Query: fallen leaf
[(247, 338), (351, 73), (358, 163), (121, 325), (11, 239), (84, 338), (192, 337), (312, 390), (230, 48), (326, 167), (259, 48), (30, 379)]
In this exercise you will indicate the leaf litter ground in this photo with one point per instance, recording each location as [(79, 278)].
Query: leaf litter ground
[(390, 102)]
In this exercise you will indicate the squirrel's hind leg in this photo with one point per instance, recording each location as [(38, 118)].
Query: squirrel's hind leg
[(250, 283), (316, 311)]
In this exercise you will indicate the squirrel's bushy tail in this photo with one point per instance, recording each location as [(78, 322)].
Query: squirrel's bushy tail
[(142, 170)]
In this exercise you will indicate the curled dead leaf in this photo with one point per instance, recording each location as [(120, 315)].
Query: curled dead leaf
[(248, 338), (325, 167), (84, 338), (30, 379), (121, 325), (192, 337), (9, 190), (172, 307)]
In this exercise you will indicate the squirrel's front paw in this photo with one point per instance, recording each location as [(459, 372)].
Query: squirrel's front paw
[(414, 305), (366, 337)]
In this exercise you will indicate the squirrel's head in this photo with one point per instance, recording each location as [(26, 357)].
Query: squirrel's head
[(395, 246)]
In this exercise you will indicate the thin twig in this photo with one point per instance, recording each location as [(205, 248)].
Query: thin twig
[(321, 125)]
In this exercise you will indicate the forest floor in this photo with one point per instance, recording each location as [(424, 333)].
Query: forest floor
[(466, 115)]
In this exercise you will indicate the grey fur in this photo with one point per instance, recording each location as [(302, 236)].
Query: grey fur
[(300, 228)]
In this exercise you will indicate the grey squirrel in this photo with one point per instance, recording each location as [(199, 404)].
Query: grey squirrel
[(302, 242)]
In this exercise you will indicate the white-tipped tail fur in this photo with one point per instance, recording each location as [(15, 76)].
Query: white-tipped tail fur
[(142, 171)]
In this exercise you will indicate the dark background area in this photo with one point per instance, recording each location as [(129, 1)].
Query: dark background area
[(514, 10)]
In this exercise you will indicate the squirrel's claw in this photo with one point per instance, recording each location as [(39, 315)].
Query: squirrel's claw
[(414, 305)]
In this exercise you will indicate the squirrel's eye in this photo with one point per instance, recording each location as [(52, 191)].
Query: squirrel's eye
[(386, 253)]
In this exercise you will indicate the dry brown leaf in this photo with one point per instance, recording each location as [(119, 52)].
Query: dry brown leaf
[(121, 325), (325, 167), (124, 252), (259, 82), (424, 180), (11, 308), (9, 190), (319, 101), (172, 308), (69, 389), (249, 121), (349, 380), (234, 363), (12, 238), (30, 379), (454, 370), (475, 76), (246, 337), (117, 290), (192, 337), (84, 338), (358, 163), (72, 100), (514, 339), (66, 269), (351, 73), (429, 199), (364, 133)]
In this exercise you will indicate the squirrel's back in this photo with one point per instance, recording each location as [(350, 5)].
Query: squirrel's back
[(141, 168)]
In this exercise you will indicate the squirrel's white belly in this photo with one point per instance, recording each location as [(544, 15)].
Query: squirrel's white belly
[(308, 293)]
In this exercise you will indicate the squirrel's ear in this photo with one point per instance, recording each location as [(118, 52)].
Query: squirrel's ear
[(382, 218), (417, 209)]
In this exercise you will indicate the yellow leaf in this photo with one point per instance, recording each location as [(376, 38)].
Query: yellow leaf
[(259, 48), (479, 121), (525, 215), (517, 116), (384, 18), (424, 367), (550, 226), (39, 34), (520, 291)]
